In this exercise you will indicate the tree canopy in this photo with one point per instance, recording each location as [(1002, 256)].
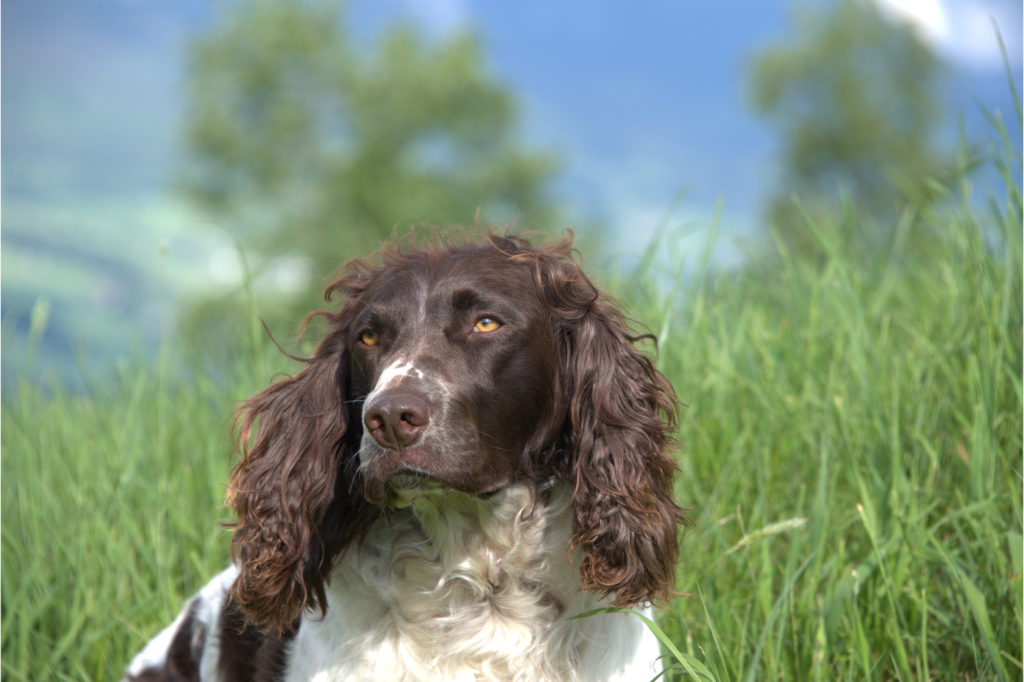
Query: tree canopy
[(303, 140), (856, 100)]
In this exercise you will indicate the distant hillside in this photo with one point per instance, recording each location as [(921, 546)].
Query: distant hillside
[(109, 273)]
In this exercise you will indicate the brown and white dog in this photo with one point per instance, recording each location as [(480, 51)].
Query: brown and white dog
[(475, 453)]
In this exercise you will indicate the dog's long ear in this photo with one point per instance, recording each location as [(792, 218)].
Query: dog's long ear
[(621, 414), (296, 490)]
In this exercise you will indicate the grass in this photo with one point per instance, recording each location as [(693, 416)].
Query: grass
[(852, 459)]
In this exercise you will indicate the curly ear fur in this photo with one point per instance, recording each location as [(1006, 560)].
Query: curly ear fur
[(296, 490), (622, 412)]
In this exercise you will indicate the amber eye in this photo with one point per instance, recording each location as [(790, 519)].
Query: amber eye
[(486, 324), (369, 337)]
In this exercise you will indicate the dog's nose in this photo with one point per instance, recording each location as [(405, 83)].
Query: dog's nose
[(395, 419)]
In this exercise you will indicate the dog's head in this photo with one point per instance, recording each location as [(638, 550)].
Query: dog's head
[(457, 367)]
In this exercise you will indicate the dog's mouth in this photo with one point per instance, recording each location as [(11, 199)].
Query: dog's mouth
[(400, 488), (406, 487), (395, 478)]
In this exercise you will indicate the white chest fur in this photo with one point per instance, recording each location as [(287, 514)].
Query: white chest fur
[(458, 588)]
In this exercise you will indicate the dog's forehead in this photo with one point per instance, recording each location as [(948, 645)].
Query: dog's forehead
[(455, 281), (397, 288)]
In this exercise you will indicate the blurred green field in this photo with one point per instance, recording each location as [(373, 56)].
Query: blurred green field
[(851, 456)]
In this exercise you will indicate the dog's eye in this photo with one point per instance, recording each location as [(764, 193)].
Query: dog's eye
[(369, 337), (486, 324)]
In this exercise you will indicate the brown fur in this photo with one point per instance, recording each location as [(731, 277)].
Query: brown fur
[(298, 493)]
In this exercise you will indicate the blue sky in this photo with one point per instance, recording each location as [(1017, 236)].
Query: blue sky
[(640, 100)]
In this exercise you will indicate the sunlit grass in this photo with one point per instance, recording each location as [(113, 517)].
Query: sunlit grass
[(853, 458)]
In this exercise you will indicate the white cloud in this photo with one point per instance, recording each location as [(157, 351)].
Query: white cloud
[(963, 31), (928, 17), (440, 16)]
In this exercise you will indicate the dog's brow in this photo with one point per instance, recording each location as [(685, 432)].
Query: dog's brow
[(464, 299)]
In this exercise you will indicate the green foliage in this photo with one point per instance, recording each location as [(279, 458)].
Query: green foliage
[(112, 509), (100, 499), (856, 100), (302, 141), (852, 458)]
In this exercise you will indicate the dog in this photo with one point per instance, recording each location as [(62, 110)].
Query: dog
[(476, 453)]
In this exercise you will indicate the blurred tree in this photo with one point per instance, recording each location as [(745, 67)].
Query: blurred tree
[(309, 147), (856, 99), (303, 142)]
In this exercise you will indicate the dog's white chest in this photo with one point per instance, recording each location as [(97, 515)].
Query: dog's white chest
[(467, 602)]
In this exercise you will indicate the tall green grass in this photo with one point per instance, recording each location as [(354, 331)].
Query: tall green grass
[(852, 459), (853, 454)]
